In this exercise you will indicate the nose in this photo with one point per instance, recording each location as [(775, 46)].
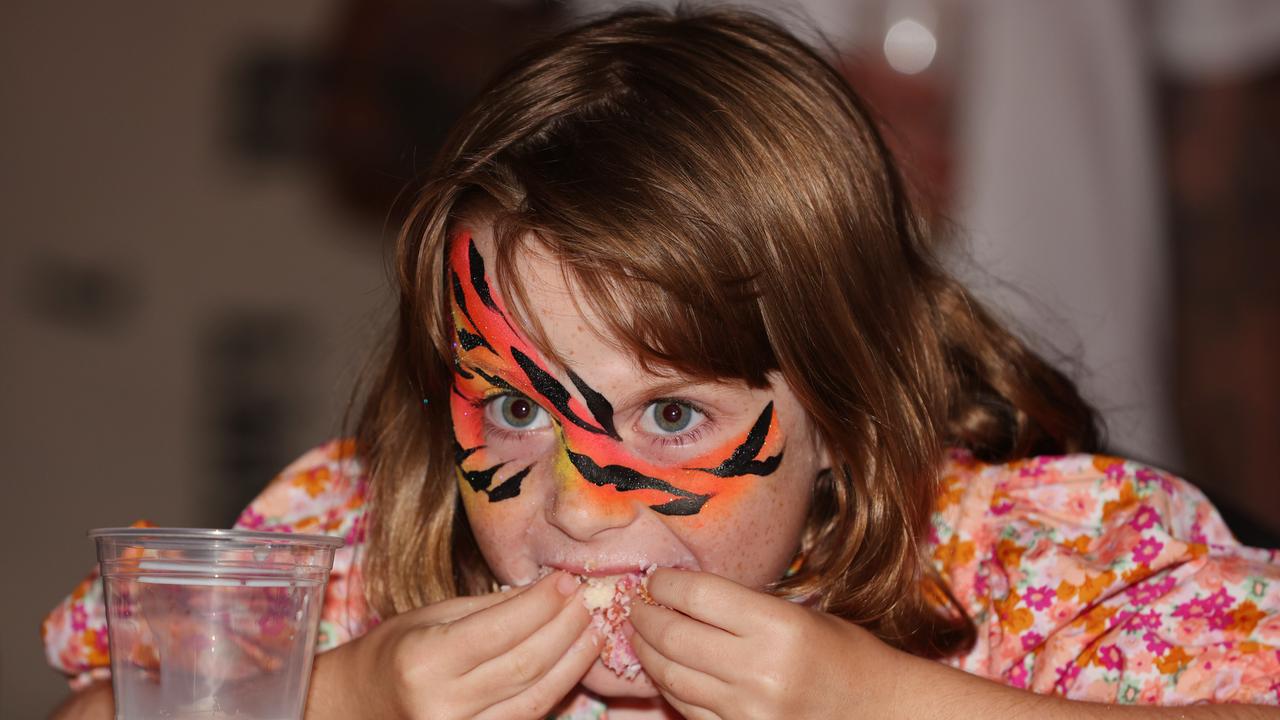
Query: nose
[(582, 510)]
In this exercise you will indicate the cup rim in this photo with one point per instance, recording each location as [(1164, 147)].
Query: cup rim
[(251, 537)]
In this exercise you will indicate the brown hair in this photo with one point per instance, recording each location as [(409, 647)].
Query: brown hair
[(721, 197)]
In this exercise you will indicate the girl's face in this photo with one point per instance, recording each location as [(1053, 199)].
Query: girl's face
[(598, 467)]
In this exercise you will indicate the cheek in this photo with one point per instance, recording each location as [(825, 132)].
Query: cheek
[(750, 532), (501, 531)]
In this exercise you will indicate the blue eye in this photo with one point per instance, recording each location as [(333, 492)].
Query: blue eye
[(516, 412), (672, 416)]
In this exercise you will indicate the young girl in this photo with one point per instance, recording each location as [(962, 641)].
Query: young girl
[(664, 302)]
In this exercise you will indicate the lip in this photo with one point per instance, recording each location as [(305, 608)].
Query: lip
[(597, 569)]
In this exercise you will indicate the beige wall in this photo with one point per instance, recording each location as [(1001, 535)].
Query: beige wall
[(114, 156)]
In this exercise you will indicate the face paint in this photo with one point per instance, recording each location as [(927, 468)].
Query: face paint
[(551, 389), (742, 461), (493, 359)]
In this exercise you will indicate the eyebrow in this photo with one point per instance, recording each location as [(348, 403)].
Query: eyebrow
[(558, 395)]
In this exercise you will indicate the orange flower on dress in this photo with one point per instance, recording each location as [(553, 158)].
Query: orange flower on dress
[(314, 481), (344, 449), (1015, 620), (1245, 618), (1093, 586), (96, 649), (1125, 500), (1010, 553), (1173, 661), (955, 552)]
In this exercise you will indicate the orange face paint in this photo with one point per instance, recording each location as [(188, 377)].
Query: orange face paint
[(492, 358)]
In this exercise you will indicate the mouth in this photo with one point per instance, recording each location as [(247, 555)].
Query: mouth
[(609, 598), (596, 569)]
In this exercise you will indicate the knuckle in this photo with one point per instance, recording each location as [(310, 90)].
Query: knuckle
[(668, 636), (524, 669), (698, 599), (403, 665), (667, 677), (535, 704)]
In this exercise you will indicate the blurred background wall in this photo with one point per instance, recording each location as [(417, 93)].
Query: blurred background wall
[(197, 198)]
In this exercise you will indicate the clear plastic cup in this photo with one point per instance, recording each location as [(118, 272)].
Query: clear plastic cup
[(212, 623)]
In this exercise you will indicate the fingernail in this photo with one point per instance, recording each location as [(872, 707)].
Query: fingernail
[(567, 584)]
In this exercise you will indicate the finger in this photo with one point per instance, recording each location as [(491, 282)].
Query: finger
[(526, 663), (455, 609), (710, 599), (686, 641), (683, 686), (538, 700), (495, 630)]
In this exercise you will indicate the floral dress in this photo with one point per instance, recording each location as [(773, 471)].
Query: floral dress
[(1088, 577)]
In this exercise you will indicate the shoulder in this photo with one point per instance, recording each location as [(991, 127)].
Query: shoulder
[(323, 491), (1106, 579), (1089, 493)]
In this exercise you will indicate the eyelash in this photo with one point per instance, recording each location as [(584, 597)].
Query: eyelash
[(687, 438), (501, 433)]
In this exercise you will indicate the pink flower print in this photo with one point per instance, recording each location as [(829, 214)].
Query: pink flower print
[(1039, 598), (1111, 657), (1030, 640), (1149, 620), (1220, 600), (1156, 644), (1194, 608), (1146, 476), (101, 642), (1017, 676), (1002, 507), (1115, 472), (1211, 608), (1032, 470), (1147, 550), (356, 534), (980, 585), (79, 618), (1067, 674), (1144, 518), (1119, 619), (1145, 593), (251, 519)]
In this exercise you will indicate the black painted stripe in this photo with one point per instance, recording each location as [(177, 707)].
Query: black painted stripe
[(742, 461), (478, 280), (626, 479), (469, 340), (555, 393), (510, 487), (600, 407), (493, 380)]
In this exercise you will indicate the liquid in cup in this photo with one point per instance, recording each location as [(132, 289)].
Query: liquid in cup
[(212, 623)]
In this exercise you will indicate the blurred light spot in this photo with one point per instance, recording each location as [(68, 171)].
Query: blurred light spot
[(909, 46)]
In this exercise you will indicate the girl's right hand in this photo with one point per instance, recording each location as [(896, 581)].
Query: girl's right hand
[(512, 654)]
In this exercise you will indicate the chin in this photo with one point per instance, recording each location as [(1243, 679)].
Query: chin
[(605, 683)]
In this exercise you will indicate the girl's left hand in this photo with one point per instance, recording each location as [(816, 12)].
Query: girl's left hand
[(720, 650)]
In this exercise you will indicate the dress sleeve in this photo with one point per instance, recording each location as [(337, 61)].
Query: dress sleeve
[(321, 492), (1106, 580)]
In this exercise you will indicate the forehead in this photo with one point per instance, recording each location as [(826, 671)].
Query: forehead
[(549, 309)]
